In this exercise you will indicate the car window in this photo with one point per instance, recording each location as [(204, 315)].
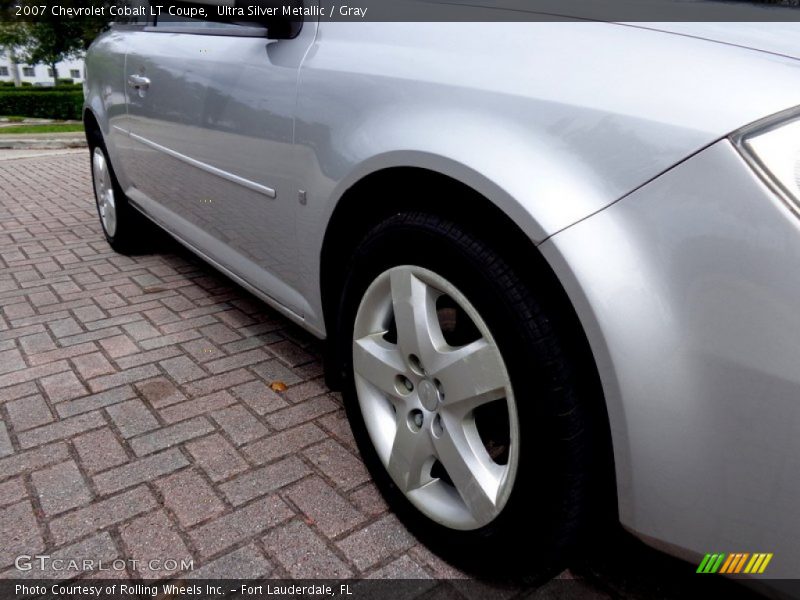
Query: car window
[(170, 23)]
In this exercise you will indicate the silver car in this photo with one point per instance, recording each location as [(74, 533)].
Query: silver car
[(556, 264)]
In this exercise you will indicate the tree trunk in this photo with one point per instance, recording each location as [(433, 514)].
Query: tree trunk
[(55, 73), (14, 68)]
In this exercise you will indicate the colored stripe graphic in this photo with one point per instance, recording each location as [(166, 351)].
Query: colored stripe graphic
[(741, 563), (766, 562), (749, 567), (704, 563), (735, 562), (715, 566), (711, 563), (732, 558)]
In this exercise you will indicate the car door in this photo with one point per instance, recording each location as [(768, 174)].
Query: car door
[(211, 155)]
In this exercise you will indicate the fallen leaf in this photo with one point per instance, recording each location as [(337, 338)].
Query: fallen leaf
[(153, 289), (277, 386)]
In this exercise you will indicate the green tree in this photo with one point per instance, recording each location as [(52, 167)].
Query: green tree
[(49, 39), (12, 36)]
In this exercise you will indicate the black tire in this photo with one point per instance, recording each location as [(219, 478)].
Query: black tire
[(549, 505), (133, 231)]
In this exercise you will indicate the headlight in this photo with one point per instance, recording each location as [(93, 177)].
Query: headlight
[(772, 147)]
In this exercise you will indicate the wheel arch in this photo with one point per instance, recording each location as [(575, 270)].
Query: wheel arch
[(399, 190), (92, 127)]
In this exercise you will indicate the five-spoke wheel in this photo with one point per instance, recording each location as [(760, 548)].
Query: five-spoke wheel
[(104, 192), (461, 389), (436, 397)]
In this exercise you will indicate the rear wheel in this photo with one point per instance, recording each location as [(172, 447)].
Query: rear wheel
[(125, 229), (463, 397)]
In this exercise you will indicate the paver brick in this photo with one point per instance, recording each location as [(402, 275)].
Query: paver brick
[(196, 406), (132, 418), (202, 387), (61, 353), (190, 497), (138, 471), (26, 413), (19, 532), (160, 392), (300, 413), (304, 554), (336, 462), (242, 359), (65, 327), (244, 523), (151, 540), (219, 333), (141, 330), (101, 514), (32, 344), (105, 382), (32, 459), (12, 491), (61, 429), (18, 391), (98, 548), (321, 503), (217, 457), (170, 436), (274, 370), (369, 500), (259, 397), (60, 488), (303, 391), (240, 424), (32, 373), (6, 447), (118, 345), (379, 540), (264, 480), (64, 386), (94, 401), (283, 443), (99, 450), (92, 365), (290, 353), (244, 563)]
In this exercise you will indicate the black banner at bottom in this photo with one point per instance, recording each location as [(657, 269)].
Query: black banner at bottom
[(384, 589)]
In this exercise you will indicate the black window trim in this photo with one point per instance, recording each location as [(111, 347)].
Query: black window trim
[(249, 30)]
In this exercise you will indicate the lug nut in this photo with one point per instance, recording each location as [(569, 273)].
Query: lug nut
[(403, 385), (416, 364), (416, 420)]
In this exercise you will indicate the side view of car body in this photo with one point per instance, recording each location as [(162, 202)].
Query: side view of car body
[(591, 205)]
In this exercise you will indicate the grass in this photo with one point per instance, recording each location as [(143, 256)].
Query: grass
[(49, 128)]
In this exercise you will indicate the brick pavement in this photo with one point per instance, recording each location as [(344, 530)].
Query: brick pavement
[(137, 418)]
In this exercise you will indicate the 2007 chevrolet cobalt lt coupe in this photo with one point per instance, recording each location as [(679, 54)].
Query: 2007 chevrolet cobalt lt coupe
[(556, 264)]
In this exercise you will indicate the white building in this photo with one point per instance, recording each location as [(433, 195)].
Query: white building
[(42, 74)]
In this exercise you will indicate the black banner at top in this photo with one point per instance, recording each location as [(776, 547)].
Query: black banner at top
[(139, 11)]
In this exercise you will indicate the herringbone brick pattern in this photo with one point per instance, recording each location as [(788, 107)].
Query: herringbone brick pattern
[(138, 421)]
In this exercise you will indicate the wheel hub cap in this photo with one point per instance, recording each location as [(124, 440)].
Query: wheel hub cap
[(427, 373), (429, 395)]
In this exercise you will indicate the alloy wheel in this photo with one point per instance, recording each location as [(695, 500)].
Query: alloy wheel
[(104, 192), (436, 397)]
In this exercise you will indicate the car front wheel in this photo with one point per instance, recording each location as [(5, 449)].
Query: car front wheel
[(463, 397)]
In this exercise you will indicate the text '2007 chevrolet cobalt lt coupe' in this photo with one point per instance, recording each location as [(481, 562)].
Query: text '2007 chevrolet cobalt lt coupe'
[(556, 264)]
